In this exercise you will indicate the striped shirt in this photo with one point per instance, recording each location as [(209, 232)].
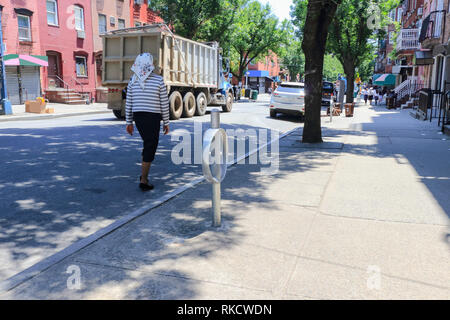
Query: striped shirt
[(153, 98)]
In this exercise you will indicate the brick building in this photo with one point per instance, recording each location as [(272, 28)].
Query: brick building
[(66, 34), (22, 42), (141, 14), (262, 74), (107, 15)]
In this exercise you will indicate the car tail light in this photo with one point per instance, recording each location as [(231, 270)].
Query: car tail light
[(276, 94)]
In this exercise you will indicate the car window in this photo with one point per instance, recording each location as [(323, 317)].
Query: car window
[(290, 89)]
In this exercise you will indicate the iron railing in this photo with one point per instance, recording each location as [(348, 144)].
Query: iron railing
[(408, 39)]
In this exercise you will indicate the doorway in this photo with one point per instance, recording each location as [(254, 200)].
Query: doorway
[(54, 69)]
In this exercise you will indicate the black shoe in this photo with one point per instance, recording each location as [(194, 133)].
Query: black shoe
[(145, 186)]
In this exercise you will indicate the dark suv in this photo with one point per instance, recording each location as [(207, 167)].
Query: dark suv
[(327, 93)]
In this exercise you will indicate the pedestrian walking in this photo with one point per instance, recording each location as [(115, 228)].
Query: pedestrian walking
[(147, 104), (371, 94), (365, 94), (376, 97)]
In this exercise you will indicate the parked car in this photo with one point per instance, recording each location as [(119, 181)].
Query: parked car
[(327, 93), (288, 98)]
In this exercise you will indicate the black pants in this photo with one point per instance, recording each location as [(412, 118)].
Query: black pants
[(148, 125)]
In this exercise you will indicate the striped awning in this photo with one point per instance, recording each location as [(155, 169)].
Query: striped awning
[(386, 79), (25, 60)]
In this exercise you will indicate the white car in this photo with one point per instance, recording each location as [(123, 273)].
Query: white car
[(288, 98)]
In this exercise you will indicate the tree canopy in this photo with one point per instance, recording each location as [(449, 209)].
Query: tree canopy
[(256, 33)]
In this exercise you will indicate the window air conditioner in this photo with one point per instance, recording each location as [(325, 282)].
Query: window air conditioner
[(81, 34)]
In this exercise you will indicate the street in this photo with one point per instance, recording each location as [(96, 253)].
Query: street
[(363, 215), (66, 178)]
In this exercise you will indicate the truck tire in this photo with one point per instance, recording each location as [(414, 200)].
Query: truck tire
[(202, 103), (175, 105), (229, 104), (118, 114), (189, 105)]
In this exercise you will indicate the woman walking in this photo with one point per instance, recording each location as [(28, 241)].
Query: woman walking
[(371, 94), (365, 95), (147, 104)]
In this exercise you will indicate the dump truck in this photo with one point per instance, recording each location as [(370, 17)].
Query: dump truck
[(192, 71)]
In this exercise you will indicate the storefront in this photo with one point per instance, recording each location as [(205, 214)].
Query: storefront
[(23, 77)]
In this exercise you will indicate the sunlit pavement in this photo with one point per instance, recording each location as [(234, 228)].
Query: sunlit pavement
[(363, 216), (63, 179)]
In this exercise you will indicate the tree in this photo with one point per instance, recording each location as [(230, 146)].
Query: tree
[(348, 39), (319, 15), (293, 59), (256, 33), (220, 27), (354, 32), (187, 17)]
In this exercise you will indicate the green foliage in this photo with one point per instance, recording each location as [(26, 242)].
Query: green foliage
[(298, 14), (293, 58), (187, 16), (332, 67), (256, 33), (220, 27)]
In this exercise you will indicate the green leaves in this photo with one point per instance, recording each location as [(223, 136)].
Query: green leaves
[(255, 33), (246, 30), (187, 16)]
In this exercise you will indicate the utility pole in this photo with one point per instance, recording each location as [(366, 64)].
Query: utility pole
[(5, 103)]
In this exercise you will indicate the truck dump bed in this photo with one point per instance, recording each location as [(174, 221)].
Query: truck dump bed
[(182, 62)]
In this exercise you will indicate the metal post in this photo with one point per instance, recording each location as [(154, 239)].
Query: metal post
[(6, 104), (215, 124)]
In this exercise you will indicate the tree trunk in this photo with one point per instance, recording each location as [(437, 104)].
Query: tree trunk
[(349, 70), (318, 18)]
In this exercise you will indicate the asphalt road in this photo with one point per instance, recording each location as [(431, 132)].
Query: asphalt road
[(63, 179)]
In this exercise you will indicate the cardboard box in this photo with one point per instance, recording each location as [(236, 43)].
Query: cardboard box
[(50, 110), (35, 106)]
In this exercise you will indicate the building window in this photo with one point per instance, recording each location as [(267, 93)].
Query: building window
[(102, 23), (137, 24), (52, 12), (79, 18), (121, 24), (24, 28), (81, 66)]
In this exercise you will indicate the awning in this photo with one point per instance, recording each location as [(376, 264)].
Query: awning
[(422, 58), (387, 79), (25, 60), (258, 73)]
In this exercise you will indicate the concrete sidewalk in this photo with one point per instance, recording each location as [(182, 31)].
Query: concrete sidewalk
[(362, 216), (61, 110)]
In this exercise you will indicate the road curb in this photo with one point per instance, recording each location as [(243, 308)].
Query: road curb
[(31, 272), (26, 118)]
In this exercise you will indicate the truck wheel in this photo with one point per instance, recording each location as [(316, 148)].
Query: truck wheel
[(175, 105), (229, 105), (200, 110), (273, 113), (118, 114), (188, 105)]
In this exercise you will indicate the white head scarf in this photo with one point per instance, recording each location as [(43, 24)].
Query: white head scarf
[(142, 68)]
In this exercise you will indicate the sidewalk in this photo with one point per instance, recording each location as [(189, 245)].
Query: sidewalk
[(61, 110), (362, 216)]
